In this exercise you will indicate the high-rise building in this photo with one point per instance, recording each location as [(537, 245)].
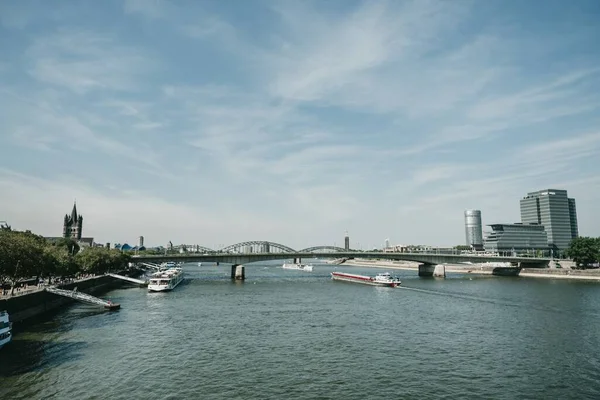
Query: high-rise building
[(346, 241), (473, 229), (73, 225), (141, 241), (555, 211), (387, 243)]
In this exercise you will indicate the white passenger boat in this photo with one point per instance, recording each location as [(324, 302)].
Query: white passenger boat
[(5, 329), (384, 279), (298, 266), (165, 280)]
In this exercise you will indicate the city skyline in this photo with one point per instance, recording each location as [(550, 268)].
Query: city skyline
[(205, 123)]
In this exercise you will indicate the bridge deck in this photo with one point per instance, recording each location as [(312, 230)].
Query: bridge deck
[(425, 258)]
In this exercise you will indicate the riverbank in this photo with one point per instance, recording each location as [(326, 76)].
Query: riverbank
[(482, 269), (27, 306)]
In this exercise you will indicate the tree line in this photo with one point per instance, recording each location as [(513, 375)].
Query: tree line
[(24, 255), (585, 251)]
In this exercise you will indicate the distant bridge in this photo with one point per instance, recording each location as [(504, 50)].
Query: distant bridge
[(254, 246), (422, 258)]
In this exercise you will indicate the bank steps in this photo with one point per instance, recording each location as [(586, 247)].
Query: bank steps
[(84, 297), (129, 279)]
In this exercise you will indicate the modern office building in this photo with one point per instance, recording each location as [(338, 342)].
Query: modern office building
[(346, 241), (141, 241), (517, 237), (555, 211), (474, 229)]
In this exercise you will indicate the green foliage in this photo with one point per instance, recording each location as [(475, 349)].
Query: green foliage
[(26, 255), (99, 260), (462, 247), (68, 244), (584, 251)]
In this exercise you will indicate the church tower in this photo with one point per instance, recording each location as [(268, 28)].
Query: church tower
[(73, 225)]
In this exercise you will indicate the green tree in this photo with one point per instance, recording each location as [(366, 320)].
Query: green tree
[(68, 244), (21, 256), (462, 247), (99, 260), (584, 250)]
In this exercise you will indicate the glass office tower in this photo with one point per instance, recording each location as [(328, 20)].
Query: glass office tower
[(473, 229), (555, 211)]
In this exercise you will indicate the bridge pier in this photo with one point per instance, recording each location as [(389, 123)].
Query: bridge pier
[(426, 270), (439, 271), (238, 272)]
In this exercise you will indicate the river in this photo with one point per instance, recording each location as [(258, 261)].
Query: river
[(285, 334)]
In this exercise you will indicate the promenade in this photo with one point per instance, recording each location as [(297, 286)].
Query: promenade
[(28, 289)]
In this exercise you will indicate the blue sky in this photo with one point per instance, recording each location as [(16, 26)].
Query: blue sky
[(213, 122)]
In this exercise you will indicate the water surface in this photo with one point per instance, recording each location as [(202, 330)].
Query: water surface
[(285, 334)]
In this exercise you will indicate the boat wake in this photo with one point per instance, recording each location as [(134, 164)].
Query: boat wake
[(462, 296), (484, 299)]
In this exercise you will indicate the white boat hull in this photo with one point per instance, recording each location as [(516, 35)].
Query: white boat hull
[(163, 284), (299, 267), (5, 341), (5, 329)]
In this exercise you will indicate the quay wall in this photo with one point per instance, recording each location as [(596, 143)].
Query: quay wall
[(585, 274), (26, 307)]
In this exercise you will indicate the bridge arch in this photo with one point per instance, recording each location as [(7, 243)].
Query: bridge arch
[(322, 248), (263, 247)]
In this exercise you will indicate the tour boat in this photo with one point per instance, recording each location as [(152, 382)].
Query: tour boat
[(299, 266), (165, 280), (384, 279), (5, 329)]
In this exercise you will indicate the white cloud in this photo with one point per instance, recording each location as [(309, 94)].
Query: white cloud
[(387, 119), (83, 61), (151, 9)]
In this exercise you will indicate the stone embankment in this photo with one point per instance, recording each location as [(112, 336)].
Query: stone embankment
[(38, 302), (556, 273), (481, 269)]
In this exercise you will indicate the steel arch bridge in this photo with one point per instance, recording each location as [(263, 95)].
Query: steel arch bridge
[(322, 248), (264, 247)]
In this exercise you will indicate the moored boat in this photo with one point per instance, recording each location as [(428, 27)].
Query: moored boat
[(5, 329), (383, 279), (298, 266), (165, 280)]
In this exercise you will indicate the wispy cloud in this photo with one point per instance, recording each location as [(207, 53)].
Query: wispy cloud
[(84, 61), (152, 9), (385, 118)]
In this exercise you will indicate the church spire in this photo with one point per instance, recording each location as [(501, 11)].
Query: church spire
[(74, 212)]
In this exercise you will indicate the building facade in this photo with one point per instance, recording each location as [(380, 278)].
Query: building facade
[(517, 237), (555, 211), (347, 241), (73, 225), (473, 229)]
